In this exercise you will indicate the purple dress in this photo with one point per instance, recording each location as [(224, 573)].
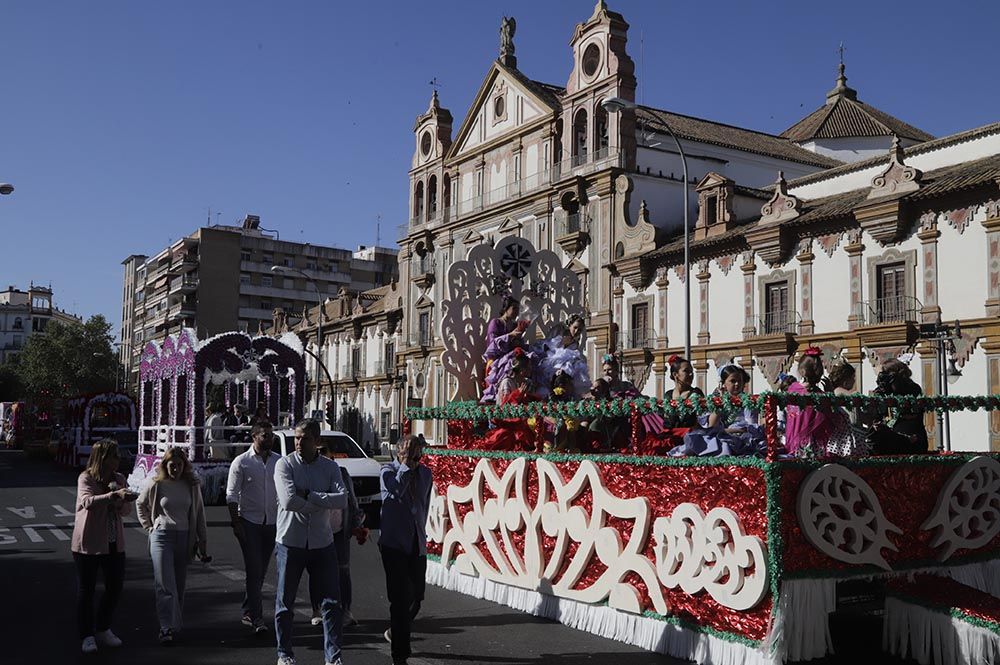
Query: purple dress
[(500, 346)]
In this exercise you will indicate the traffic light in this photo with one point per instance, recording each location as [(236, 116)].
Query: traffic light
[(331, 414)]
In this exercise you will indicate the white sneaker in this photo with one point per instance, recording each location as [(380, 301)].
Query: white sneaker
[(388, 635), (106, 638), (286, 660), (316, 620), (336, 662), (89, 645)]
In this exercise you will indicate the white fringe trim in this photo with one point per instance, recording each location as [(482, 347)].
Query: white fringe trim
[(930, 636), (643, 632)]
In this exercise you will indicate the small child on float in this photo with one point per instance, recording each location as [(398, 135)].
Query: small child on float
[(566, 428), (730, 431)]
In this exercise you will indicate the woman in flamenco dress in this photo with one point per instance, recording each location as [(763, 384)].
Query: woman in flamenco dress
[(561, 353), (808, 429), (516, 387), (664, 434), (504, 334), (731, 432)]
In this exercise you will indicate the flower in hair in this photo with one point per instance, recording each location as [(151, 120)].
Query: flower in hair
[(673, 359), (813, 352), (518, 351)]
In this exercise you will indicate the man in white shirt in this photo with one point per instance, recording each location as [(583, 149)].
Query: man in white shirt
[(215, 435), (309, 487), (253, 509)]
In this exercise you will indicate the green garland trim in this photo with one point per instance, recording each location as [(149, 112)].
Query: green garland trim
[(752, 462), (775, 537), (673, 620), (475, 412)]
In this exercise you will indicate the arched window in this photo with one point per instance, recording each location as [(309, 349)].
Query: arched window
[(418, 202), (557, 149), (18, 324), (432, 197), (580, 137), (446, 190), (600, 132)]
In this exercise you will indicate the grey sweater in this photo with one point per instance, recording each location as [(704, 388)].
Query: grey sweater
[(305, 521)]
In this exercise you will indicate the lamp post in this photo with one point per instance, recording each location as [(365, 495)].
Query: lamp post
[(944, 337), (285, 270), (617, 105)]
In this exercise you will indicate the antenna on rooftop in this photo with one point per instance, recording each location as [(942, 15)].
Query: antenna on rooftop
[(378, 229)]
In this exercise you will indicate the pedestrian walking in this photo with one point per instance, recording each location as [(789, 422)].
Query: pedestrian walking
[(98, 543), (253, 511), (406, 497), (309, 486), (171, 510), (344, 528)]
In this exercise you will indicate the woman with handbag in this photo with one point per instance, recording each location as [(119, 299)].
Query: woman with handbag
[(98, 545), (171, 510)]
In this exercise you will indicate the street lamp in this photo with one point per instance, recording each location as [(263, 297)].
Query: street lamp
[(319, 329), (944, 337), (6, 188), (617, 105)]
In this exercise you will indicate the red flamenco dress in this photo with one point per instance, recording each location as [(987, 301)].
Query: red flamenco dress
[(513, 433)]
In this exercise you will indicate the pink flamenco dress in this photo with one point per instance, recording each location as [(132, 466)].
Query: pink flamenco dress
[(809, 429)]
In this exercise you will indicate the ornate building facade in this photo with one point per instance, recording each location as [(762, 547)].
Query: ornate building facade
[(358, 377), (544, 162)]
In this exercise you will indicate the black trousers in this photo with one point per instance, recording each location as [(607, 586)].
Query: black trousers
[(404, 584), (87, 566)]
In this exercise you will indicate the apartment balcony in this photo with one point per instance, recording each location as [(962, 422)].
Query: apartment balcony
[(182, 263), (181, 310), (572, 232), (781, 322), (385, 367), (422, 273), (422, 339), (896, 310), (184, 284), (639, 338)]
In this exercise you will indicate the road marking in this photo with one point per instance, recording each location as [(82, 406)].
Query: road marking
[(28, 512), (62, 512), (5, 539), (29, 530)]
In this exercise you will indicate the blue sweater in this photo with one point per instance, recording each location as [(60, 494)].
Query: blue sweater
[(406, 498)]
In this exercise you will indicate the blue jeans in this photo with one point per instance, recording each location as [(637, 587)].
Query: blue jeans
[(170, 555), (257, 544), (342, 541), (322, 566)]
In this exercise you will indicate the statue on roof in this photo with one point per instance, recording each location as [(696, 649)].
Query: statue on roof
[(508, 26)]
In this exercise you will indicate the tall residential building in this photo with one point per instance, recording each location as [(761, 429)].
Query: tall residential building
[(220, 278), (24, 313)]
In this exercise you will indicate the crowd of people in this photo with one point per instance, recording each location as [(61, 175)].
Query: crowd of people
[(555, 369), (300, 509)]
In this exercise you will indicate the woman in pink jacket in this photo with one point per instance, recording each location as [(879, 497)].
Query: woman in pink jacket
[(102, 498)]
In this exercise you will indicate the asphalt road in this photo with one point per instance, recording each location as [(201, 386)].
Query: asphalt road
[(37, 601)]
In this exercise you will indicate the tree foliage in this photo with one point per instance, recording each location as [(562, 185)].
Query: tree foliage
[(68, 360), (11, 388)]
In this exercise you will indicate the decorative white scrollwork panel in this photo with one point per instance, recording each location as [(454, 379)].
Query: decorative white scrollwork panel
[(841, 516), (491, 528), (967, 512)]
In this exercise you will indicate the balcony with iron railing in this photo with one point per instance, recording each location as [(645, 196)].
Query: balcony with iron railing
[(422, 338), (776, 322), (184, 284), (639, 338), (572, 223), (576, 165), (385, 367), (888, 311)]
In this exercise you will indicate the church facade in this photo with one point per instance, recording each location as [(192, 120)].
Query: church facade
[(852, 230)]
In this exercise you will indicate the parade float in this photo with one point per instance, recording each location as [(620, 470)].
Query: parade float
[(90, 418), (175, 379), (719, 560)]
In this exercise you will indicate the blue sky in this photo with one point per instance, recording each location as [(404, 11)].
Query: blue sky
[(121, 123)]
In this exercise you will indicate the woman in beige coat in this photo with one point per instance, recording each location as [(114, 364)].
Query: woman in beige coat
[(171, 510)]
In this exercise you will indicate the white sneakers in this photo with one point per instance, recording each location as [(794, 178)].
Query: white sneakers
[(286, 660), (89, 645), (316, 620), (105, 638)]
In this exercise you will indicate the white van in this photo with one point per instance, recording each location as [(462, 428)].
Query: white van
[(364, 470)]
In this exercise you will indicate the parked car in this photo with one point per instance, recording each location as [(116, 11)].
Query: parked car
[(363, 469)]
